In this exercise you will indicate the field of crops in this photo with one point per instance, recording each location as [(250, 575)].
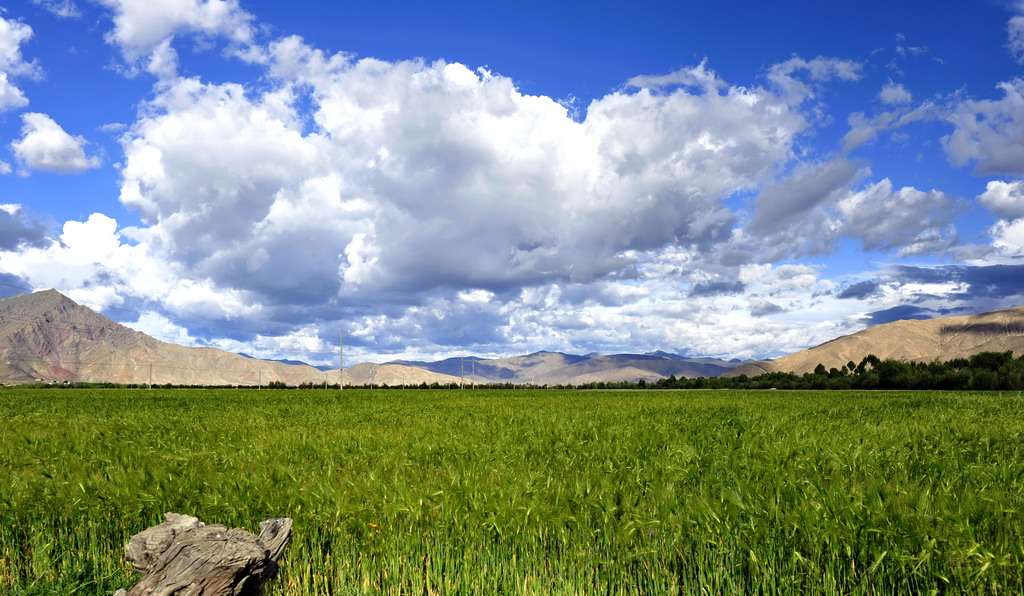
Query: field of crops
[(527, 492)]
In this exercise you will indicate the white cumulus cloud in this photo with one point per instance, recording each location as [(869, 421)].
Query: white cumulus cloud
[(418, 176), (95, 259), (12, 64), (809, 211), (1005, 199), (894, 94), (907, 220), (45, 146), (1008, 238), (10, 96), (12, 35), (990, 132), (143, 30)]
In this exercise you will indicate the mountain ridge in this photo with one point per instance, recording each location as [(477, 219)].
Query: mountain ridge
[(919, 340), (558, 368), (47, 337)]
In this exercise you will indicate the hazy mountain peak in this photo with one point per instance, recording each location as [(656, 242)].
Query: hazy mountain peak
[(662, 354)]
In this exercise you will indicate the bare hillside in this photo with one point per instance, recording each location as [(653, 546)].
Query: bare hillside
[(47, 337), (917, 340)]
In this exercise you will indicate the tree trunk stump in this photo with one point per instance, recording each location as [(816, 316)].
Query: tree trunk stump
[(185, 557)]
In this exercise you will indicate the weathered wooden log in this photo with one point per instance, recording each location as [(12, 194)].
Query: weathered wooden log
[(185, 557)]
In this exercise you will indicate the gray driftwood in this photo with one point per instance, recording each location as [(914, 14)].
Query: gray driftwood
[(185, 557)]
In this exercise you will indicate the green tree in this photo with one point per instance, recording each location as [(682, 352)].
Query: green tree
[(990, 360)]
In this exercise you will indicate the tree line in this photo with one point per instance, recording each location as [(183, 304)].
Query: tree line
[(982, 371)]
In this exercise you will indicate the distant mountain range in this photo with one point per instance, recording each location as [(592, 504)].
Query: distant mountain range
[(556, 368), (47, 337), (288, 361)]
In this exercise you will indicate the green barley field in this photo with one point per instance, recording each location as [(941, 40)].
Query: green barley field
[(527, 492)]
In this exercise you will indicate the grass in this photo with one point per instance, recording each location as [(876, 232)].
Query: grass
[(542, 492)]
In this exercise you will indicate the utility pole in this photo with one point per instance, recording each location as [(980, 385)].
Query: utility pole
[(462, 371), (341, 359), (150, 377), (474, 375)]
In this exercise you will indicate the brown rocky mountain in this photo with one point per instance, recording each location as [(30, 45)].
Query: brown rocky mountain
[(47, 337), (912, 340)]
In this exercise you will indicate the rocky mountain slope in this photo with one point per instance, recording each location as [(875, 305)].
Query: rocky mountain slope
[(47, 337), (912, 340)]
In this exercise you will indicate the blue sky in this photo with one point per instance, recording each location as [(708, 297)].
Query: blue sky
[(738, 180)]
